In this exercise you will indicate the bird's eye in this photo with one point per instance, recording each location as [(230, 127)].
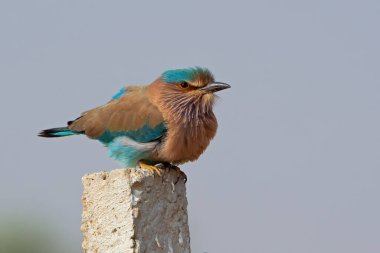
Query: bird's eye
[(184, 85)]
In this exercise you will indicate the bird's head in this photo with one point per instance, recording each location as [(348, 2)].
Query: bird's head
[(187, 92)]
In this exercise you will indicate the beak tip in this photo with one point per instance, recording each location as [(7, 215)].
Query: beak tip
[(216, 86)]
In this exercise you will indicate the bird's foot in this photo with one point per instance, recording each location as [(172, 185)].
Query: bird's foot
[(180, 173), (152, 168)]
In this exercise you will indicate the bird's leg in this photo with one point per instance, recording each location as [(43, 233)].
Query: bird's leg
[(151, 168), (179, 172)]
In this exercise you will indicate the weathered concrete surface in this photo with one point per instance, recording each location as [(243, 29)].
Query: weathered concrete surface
[(130, 210)]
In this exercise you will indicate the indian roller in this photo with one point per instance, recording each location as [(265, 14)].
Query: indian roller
[(169, 121)]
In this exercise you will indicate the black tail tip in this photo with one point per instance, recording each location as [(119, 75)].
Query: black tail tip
[(46, 133), (56, 132)]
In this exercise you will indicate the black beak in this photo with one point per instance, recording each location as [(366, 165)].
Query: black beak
[(214, 87)]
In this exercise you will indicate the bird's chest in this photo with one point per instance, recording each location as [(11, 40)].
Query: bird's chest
[(187, 141)]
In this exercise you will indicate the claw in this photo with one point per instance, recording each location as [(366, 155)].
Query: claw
[(161, 168), (179, 172), (153, 169)]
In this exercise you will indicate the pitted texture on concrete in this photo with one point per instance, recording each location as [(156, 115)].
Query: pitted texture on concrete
[(130, 210)]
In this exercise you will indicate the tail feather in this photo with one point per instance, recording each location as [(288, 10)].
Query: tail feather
[(57, 132)]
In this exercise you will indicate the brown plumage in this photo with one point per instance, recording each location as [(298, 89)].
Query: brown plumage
[(130, 112), (170, 120)]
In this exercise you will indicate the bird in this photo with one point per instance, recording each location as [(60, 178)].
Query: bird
[(170, 121)]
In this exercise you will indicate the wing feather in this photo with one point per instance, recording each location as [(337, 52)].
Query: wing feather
[(131, 112)]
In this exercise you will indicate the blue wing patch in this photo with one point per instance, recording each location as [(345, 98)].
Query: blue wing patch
[(128, 156), (144, 134), (121, 92)]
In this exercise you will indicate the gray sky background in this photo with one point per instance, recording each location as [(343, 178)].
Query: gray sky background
[(295, 166)]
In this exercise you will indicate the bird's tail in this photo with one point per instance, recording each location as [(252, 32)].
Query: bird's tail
[(57, 132)]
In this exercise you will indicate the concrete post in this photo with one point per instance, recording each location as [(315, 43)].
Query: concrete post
[(130, 210)]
